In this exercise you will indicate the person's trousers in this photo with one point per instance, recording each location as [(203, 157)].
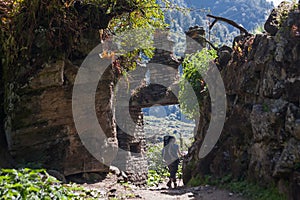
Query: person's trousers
[(173, 168)]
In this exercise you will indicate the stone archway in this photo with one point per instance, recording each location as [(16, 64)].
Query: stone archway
[(40, 126), (160, 90)]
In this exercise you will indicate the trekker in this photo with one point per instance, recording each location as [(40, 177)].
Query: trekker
[(171, 153)]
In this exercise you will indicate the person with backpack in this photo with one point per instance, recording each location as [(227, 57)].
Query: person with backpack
[(171, 154)]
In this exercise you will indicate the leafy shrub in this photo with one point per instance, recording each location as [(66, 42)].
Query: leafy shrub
[(251, 190), (38, 184), (198, 180), (194, 181), (254, 191), (154, 178), (248, 189), (194, 67), (157, 169)]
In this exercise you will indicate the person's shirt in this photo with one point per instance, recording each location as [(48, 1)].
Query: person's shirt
[(170, 153)]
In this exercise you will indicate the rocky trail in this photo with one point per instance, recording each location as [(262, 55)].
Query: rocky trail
[(112, 189), (183, 193)]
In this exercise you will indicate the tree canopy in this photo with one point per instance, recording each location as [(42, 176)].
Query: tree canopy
[(51, 28)]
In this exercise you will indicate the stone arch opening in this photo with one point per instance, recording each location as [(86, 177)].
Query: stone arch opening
[(155, 84), (160, 121), (169, 116), (133, 141)]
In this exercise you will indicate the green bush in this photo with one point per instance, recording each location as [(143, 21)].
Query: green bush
[(198, 180), (157, 169), (38, 184), (255, 191), (252, 191), (154, 178), (194, 67), (194, 181)]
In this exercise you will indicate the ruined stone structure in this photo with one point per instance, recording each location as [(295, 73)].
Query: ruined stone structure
[(39, 123), (135, 94), (260, 140), (39, 126)]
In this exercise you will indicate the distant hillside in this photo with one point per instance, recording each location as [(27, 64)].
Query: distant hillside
[(156, 128), (249, 13)]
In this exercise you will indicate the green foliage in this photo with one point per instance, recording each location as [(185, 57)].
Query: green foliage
[(147, 15), (198, 180), (142, 23), (265, 107), (195, 181), (155, 159), (154, 178), (259, 29), (297, 166), (253, 13), (283, 12), (54, 27), (38, 184), (194, 66), (254, 191), (157, 169), (248, 189)]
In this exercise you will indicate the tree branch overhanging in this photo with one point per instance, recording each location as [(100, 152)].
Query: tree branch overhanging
[(232, 23)]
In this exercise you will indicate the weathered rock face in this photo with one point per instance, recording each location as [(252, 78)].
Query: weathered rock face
[(260, 139), (5, 158), (39, 122), (39, 126)]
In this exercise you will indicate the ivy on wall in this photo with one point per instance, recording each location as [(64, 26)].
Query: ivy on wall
[(194, 67)]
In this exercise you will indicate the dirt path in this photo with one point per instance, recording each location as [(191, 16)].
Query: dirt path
[(111, 189), (182, 193)]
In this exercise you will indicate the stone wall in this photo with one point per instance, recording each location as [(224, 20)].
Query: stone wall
[(162, 87), (131, 157), (260, 140), (39, 123), (5, 158)]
